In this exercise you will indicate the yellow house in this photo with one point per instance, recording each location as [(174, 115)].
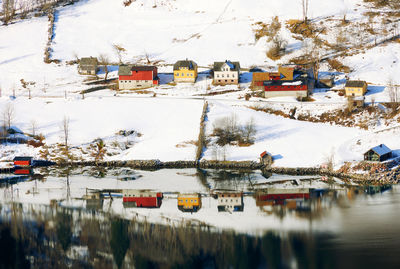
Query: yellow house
[(189, 202), (355, 88), (185, 71)]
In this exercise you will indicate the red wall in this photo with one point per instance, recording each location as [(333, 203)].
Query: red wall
[(286, 88), (144, 201), (22, 163), (267, 197)]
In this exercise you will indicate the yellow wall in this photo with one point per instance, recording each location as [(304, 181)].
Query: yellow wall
[(355, 91), (185, 74), (189, 202)]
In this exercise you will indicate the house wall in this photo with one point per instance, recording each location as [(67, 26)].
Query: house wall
[(135, 84), (230, 200), (185, 75), (187, 202), (355, 91), (226, 77), (278, 91)]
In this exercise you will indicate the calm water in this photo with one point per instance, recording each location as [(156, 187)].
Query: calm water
[(77, 219)]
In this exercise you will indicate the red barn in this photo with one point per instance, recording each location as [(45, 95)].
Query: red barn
[(141, 198), (23, 161), (134, 77), (275, 88)]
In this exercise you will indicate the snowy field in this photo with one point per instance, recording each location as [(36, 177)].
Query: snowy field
[(163, 123)]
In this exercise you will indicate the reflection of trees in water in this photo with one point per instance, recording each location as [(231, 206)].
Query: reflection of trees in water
[(232, 180), (119, 242), (109, 240), (64, 229)]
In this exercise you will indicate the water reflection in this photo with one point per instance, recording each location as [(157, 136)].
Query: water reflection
[(78, 220)]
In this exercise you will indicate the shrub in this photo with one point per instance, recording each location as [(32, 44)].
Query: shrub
[(228, 131)]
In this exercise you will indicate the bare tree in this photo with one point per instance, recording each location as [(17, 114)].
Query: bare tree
[(304, 5), (249, 131), (65, 130), (33, 127), (103, 59), (394, 94), (8, 11), (119, 50), (8, 115)]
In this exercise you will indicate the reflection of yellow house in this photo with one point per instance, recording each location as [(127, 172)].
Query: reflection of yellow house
[(189, 202), (185, 71), (355, 88)]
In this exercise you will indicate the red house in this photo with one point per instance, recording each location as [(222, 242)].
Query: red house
[(275, 88), (134, 77), (141, 198), (23, 161)]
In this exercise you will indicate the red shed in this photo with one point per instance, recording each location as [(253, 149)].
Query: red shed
[(141, 198), (23, 161), (131, 77)]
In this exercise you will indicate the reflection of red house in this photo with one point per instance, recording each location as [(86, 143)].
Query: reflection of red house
[(279, 196), (141, 198), (132, 77), (22, 171)]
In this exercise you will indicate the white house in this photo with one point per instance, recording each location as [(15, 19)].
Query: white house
[(226, 73)]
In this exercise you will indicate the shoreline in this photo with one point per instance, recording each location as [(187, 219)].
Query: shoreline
[(388, 177)]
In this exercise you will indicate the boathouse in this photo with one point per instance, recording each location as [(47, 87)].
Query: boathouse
[(23, 161), (378, 154)]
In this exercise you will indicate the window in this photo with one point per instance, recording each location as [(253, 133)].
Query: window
[(217, 76), (232, 80), (227, 75), (226, 80), (177, 74), (183, 74), (222, 75)]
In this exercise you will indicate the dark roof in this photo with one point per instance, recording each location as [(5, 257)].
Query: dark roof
[(355, 83), (284, 82), (19, 158), (126, 70), (234, 66), (382, 149), (191, 65), (88, 61), (143, 68)]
